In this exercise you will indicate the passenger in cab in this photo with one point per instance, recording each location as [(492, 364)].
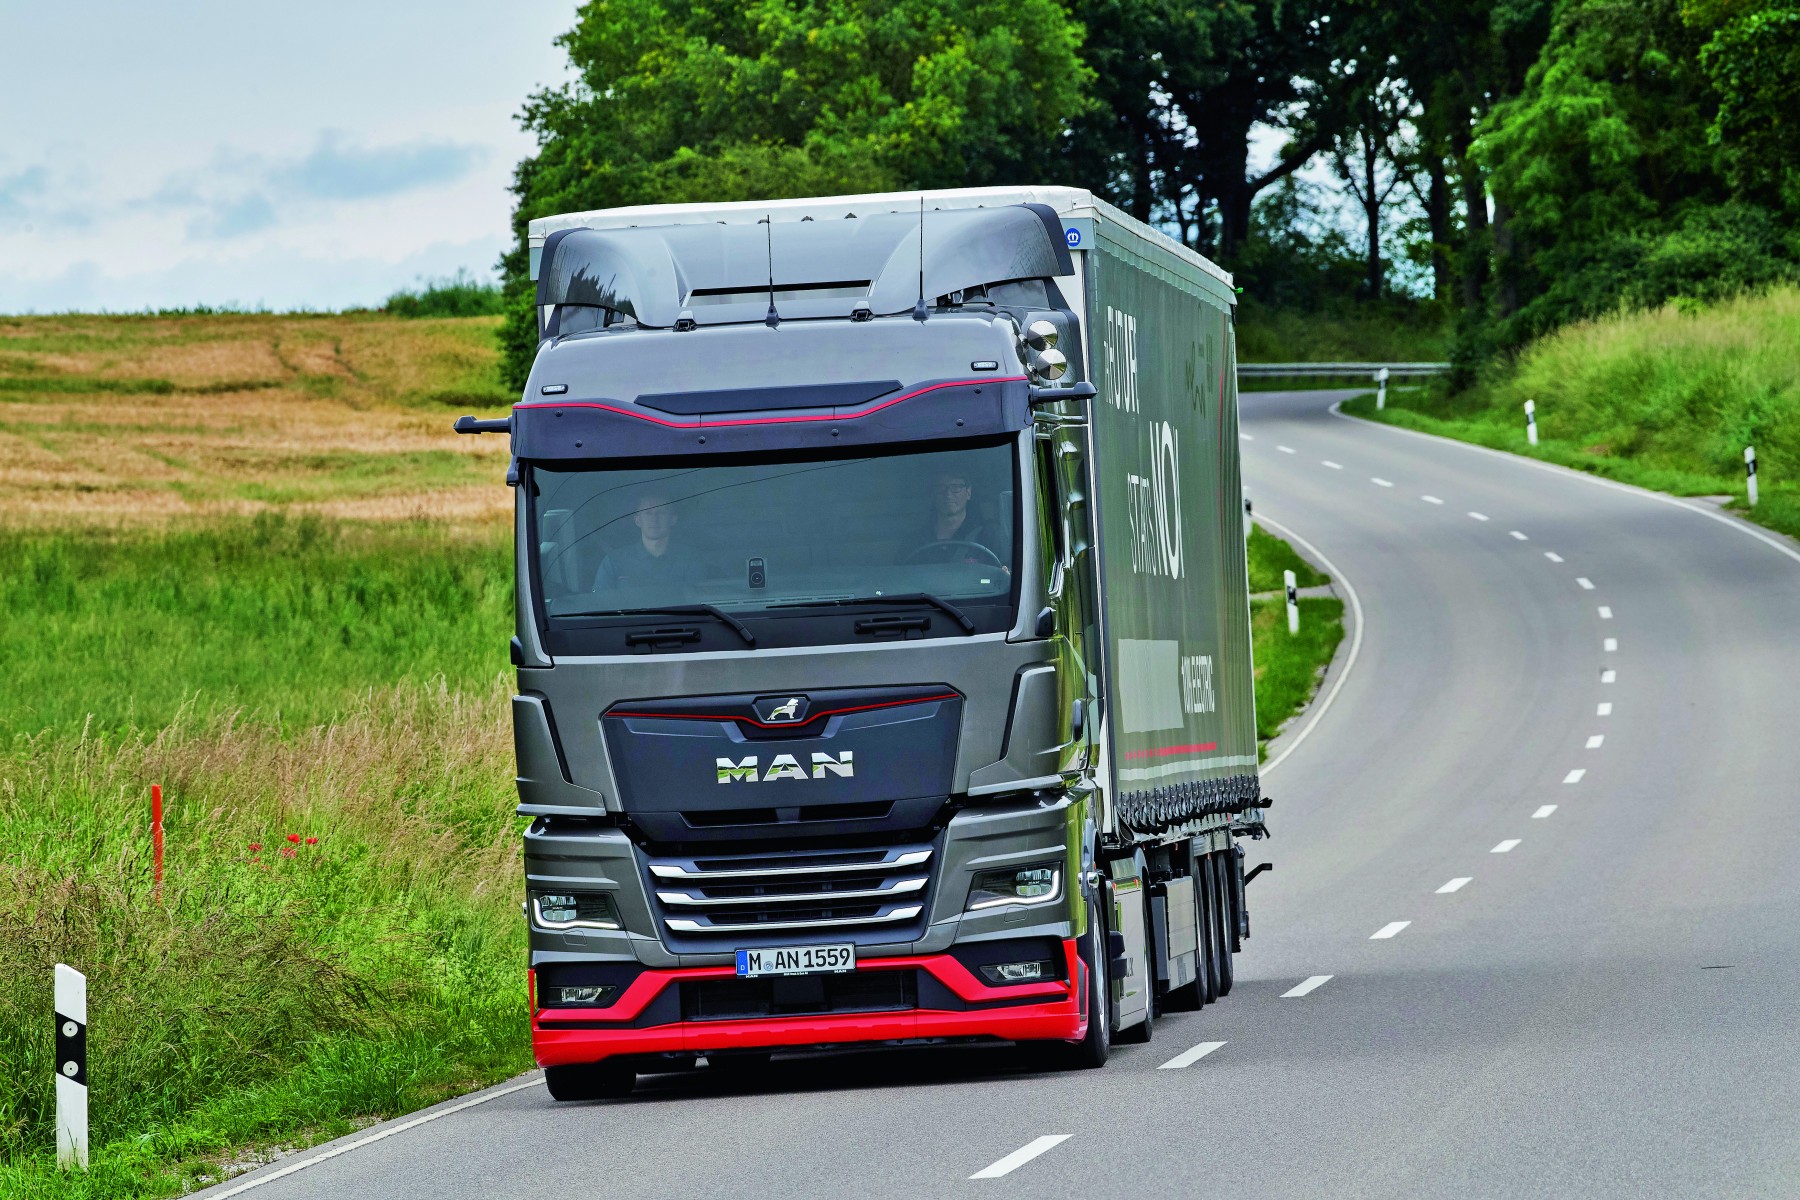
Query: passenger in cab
[(656, 556)]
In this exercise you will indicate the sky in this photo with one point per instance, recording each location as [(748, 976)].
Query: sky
[(313, 155)]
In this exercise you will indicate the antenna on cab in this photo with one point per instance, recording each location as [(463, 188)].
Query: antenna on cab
[(919, 310), (771, 318)]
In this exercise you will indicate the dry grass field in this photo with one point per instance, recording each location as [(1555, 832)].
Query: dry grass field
[(124, 419)]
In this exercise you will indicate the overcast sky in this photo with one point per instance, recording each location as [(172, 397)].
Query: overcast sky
[(318, 154)]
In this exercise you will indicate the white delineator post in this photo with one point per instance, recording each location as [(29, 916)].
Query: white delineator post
[(1750, 472), (71, 1068), (1531, 421), (1249, 518), (1381, 378), (1293, 599)]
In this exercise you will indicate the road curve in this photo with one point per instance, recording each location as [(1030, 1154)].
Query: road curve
[(1576, 698)]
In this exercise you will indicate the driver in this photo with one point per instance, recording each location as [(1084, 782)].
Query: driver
[(656, 556), (952, 522)]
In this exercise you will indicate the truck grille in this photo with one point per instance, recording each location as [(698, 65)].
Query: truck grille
[(741, 897)]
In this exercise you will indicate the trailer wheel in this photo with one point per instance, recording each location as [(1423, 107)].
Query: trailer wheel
[(606, 1080), (1225, 921)]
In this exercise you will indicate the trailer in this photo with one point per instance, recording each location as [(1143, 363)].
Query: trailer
[(882, 634)]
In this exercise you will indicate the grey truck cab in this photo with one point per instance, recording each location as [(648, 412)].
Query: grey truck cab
[(842, 716)]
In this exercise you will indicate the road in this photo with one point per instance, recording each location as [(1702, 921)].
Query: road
[(1576, 699)]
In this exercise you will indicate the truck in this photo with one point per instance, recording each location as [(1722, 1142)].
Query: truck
[(882, 634)]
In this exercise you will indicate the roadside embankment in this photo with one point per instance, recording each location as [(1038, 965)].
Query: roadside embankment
[(1666, 400)]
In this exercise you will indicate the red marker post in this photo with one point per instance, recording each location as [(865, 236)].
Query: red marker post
[(156, 840)]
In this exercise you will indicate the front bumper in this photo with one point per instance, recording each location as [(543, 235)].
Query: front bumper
[(1049, 1011)]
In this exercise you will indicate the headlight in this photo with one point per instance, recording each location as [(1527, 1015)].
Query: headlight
[(586, 995), (575, 910), (1040, 883)]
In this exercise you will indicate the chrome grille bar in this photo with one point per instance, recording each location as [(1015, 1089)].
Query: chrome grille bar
[(815, 899), (910, 858), (683, 925)]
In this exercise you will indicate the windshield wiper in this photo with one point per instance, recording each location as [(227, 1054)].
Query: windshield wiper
[(956, 614), (676, 610)]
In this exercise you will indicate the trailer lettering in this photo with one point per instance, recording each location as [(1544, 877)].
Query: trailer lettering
[(1120, 348), (1197, 684), (1154, 507)]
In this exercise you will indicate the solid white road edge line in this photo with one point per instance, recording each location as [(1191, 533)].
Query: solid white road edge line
[(1455, 885), (1356, 637), (1553, 556), (1431, 499), (1595, 741), (1575, 775), (1767, 539), (1188, 1058), (1543, 812), (1388, 930), (1021, 1156), (1603, 709), (1508, 844), (1311, 983), (389, 1131)]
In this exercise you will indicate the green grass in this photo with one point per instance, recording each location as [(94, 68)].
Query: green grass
[(459, 295), (1290, 666), (1664, 400), (1269, 556)]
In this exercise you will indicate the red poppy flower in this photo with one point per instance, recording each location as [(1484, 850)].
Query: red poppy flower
[(312, 841), (294, 838), (255, 846)]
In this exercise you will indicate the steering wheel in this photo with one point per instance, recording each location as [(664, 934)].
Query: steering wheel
[(991, 558)]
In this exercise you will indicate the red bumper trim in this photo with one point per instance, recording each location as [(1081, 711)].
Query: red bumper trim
[(1057, 1016)]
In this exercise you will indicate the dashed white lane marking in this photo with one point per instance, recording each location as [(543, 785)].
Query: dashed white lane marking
[(1593, 743), (1246, 437), (1378, 481), (384, 1132), (1603, 709), (1553, 556), (1605, 613), (1311, 983), (1518, 536), (1543, 812), (1610, 645), (1388, 930), (1431, 499), (1188, 1058), (1587, 585), (1575, 775), (1503, 847), (1608, 676), (1478, 516), (1332, 465), (1455, 885), (1286, 449), (1021, 1156)]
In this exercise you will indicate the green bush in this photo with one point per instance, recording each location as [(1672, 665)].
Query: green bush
[(460, 295)]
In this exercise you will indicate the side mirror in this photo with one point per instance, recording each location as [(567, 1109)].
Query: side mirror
[(1046, 623), (1078, 721)]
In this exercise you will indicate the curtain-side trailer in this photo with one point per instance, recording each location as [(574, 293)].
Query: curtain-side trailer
[(882, 636)]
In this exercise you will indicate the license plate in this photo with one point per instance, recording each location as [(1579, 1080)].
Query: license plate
[(796, 960)]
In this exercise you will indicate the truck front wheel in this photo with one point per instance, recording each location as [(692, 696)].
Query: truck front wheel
[(1096, 1045), (608, 1080)]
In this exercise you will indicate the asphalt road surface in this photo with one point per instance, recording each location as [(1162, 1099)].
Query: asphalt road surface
[(1533, 929)]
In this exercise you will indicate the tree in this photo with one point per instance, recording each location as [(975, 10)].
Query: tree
[(683, 100), (1753, 63)]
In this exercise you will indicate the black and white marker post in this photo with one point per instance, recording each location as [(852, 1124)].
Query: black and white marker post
[(1750, 472), (1531, 421), (1293, 599), (71, 1068), (1381, 378)]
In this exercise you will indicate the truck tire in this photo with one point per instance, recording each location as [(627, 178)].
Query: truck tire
[(1139, 1034), (1226, 918), (1206, 920), (1095, 1045), (606, 1080)]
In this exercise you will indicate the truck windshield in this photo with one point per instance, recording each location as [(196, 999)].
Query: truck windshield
[(920, 542)]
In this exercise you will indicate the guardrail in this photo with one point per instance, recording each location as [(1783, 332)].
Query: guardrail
[(1313, 369)]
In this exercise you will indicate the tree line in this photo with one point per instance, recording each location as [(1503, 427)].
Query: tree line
[(1506, 165)]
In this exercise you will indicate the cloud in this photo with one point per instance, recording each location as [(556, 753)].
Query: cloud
[(19, 190), (335, 170), (235, 217)]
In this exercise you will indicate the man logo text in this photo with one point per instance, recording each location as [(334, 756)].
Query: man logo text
[(786, 766)]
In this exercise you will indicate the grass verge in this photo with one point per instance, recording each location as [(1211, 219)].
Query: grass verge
[(1289, 667), (1665, 400), (1269, 556)]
